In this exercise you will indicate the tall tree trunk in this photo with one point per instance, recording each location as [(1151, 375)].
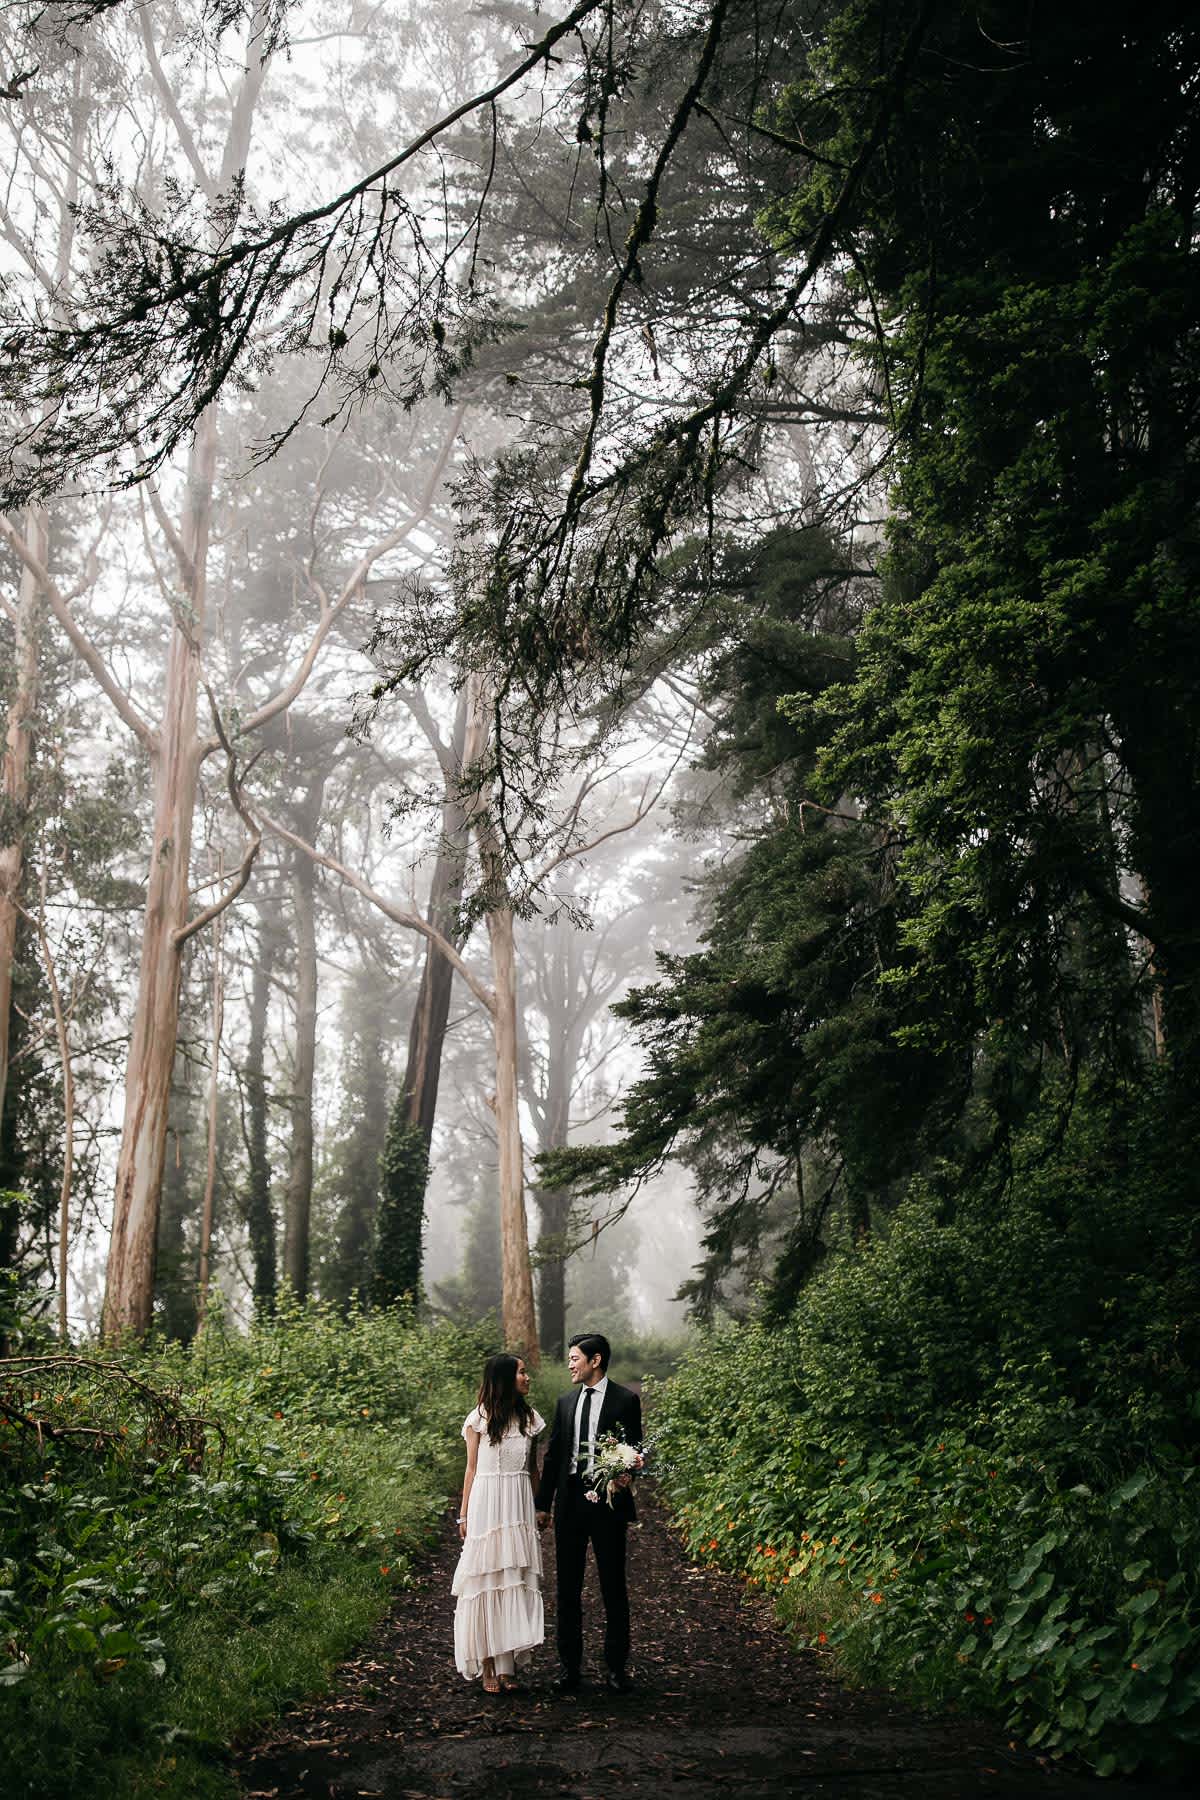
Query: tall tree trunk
[(175, 1277), (554, 1212), (298, 1201), (566, 1024), (214, 1096), (259, 1214), (18, 737), (363, 1141), (517, 1311), (519, 1321), (62, 1033), (129, 1294), (427, 1034), (18, 761)]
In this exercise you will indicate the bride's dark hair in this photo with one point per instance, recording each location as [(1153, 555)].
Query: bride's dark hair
[(499, 1398)]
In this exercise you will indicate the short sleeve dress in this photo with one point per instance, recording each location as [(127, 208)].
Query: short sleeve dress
[(498, 1582)]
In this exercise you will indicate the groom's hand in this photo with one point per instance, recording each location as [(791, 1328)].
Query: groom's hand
[(543, 1519)]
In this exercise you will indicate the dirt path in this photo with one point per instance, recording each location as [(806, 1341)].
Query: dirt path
[(722, 1706)]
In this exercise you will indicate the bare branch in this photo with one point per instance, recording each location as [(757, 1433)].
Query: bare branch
[(352, 587), (239, 881), (411, 921), (646, 805), (80, 641)]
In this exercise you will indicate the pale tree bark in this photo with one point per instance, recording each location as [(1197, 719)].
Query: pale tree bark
[(176, 756), (516, 1303), (516, 1275), (552, 1122), (177, 752), (499, 1002), (18, 761), (298, 1200), (18, 737)]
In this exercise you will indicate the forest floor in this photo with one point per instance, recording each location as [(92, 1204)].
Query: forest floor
[(723, 1705)]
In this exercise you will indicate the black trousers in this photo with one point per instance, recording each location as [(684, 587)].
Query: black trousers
[(579, 1522)]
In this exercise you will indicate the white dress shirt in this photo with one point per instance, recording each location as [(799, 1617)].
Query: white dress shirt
[(597, 1393)]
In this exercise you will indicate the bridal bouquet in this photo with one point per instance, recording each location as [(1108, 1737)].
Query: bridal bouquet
[(612, 1459)]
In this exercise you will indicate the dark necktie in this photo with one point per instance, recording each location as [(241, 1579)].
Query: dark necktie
[(584, 1420)]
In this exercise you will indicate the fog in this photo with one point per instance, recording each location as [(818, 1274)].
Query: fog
[(273, 904)]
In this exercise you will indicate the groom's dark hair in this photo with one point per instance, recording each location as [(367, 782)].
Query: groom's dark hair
[(592, 1344)]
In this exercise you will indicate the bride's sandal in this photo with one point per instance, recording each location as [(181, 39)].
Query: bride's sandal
[(508, 1685), (491, 1684)]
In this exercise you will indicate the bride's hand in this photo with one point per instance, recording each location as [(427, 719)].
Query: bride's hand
[(462, 1529)]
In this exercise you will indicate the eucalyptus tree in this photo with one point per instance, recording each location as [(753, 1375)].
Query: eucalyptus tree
[(171, 737), (38, 226), (621, 904), (700, 320)]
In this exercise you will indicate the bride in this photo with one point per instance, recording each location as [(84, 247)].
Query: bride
[(498, 1583)]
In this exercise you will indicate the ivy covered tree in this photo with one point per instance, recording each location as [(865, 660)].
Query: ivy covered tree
[(399, 1223)]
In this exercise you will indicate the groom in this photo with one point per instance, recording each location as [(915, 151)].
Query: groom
[(594, 1406)]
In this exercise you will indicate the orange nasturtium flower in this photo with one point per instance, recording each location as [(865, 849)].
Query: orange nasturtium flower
[(876, 1599), (822, 1638), (384, 1569)]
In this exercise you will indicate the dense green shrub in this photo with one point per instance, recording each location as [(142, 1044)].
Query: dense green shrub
[(196, 1534), (967, 1459)]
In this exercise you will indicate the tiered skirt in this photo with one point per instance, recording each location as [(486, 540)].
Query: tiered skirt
[(498, 1582)]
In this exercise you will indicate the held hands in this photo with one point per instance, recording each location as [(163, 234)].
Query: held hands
[(543, 1519)]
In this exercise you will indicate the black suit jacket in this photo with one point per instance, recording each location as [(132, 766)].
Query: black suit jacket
[(621, 1414)]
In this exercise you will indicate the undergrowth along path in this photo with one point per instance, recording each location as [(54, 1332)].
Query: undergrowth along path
[(722, 1705)]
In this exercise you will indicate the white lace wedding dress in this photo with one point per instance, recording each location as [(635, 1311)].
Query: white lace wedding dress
[(498, 1582)]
